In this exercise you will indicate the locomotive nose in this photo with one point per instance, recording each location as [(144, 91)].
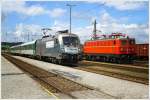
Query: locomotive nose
[(71, 50)]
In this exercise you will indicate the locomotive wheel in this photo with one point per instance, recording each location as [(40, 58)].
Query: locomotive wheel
[(119, 61), (114, 60), (97, 58), (92, 58), (89, 58), (106, 59), (86, 57)]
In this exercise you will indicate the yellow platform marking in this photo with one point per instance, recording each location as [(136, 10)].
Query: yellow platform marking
[(50, 93)]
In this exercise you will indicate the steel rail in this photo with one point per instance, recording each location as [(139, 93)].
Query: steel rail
[(58, 82)]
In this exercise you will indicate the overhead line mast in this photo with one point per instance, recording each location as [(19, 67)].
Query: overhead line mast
[(70, 6), (95, 37), (94, 31)]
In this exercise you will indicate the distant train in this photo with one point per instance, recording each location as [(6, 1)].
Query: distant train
[(63, 47), (117, 48), (142, 51)]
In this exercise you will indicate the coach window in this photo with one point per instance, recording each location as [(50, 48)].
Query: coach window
[(30, 46), (25, 47)]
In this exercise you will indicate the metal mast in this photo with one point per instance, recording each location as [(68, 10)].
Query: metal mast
[(70, 6), (94, 30)]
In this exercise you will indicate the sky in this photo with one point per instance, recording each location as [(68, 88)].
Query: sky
[(23, 20)]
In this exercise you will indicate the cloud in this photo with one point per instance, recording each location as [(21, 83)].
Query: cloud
[(107, 24), (83, 33), (138, 31), (57, 12), (120, 4), (22, 31), (59, 25), (34, 10), (20, 7), (81, 15)]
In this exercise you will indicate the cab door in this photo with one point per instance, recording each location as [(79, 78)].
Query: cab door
[(56, 48)]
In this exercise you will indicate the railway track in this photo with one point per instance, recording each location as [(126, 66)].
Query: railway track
[(141, 63), (126, 72), (53, 82)]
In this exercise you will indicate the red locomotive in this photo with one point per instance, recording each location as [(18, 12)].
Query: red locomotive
[(116, 47)]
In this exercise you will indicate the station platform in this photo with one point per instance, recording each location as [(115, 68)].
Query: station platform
[(114, 87), (15, 84)]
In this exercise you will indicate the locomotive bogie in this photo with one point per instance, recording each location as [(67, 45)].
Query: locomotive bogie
[(110, 58)]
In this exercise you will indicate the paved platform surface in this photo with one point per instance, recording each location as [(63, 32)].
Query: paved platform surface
[(17, 85), (117, 88)]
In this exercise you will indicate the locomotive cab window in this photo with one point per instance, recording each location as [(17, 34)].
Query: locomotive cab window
[(73, 41), (132, 42)]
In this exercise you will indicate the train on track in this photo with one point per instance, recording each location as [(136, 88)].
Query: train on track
[(66, 47), (59, 48), (142, 51), (116, 47)]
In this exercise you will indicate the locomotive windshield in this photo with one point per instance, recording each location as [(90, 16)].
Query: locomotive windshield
[(74, 41)]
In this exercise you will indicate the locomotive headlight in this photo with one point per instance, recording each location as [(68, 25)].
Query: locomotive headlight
[(62, 49), (79, 49)]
